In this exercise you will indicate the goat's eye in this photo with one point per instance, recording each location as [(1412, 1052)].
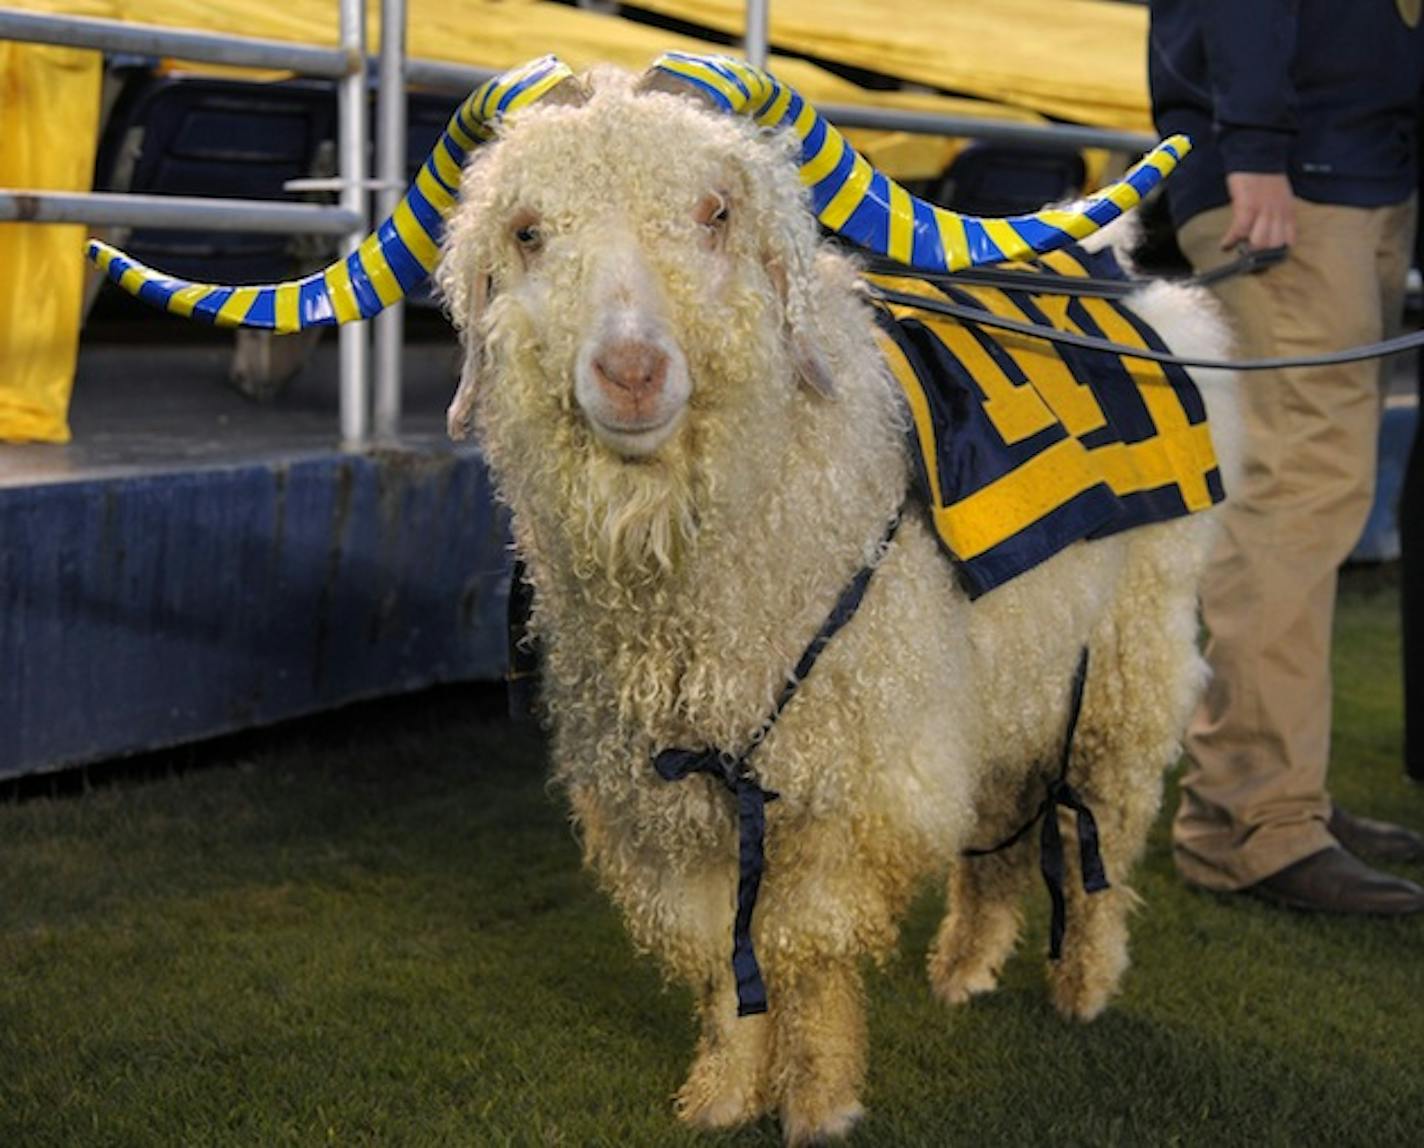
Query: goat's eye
[(712, 213), (527, 231)]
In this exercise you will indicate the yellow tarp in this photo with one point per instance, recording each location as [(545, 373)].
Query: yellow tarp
[(1079, 60), (49, 114), (41, 279)]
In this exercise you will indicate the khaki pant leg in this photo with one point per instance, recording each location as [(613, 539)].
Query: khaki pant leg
[(1394, 256), (1253, 796)]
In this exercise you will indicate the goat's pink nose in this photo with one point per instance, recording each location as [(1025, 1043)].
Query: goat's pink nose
[(630, 370)]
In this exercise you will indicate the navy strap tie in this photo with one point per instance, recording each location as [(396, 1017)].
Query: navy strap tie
[(676, 764), (733, 771), (1050, 840)]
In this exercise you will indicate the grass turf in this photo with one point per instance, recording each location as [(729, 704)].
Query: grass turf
[(373, 929)]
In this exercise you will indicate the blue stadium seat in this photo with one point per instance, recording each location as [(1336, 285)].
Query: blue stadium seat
[(1007, 179), (426, 117), (195, 135)]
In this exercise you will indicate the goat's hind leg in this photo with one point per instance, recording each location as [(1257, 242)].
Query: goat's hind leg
[(1087, 975), (981, 927), (1144, 678)]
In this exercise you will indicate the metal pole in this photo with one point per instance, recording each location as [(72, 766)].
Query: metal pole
[(104, 209), (389, 325), (457, 78), (151, 40), (758, 38), (1009, 131), (351, 149), (446, 77)]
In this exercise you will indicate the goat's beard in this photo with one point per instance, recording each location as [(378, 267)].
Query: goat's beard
[(638, 520), (617, 527)]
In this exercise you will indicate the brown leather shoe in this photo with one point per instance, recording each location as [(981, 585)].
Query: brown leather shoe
[(1333, 881), (1375, 840)]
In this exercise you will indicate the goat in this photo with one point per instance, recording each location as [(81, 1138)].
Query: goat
[(681, 392)]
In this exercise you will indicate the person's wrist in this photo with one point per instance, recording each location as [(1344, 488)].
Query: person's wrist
[(1258, 178)]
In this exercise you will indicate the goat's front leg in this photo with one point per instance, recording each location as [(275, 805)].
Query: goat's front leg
[(818, 1048), (729, 1081)]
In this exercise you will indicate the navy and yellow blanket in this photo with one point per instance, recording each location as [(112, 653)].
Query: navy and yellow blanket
[(1023, 446)]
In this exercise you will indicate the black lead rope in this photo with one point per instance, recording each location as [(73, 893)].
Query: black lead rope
[(1050, 854), (1034, 283), (1249, 262), (1379, 350), (734, 771)]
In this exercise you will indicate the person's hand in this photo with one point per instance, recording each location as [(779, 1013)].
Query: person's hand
[(1262, 210)]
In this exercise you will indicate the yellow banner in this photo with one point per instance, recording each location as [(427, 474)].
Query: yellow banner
[(1078, 60), (49, 105)]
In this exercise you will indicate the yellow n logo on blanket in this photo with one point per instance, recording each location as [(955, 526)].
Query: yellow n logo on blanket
[(1023, 446)]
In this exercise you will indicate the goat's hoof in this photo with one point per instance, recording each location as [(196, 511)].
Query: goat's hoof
[(960, 988), (955, 984), (710, 1103), (1080, 998), (1082, 988), (802, 1127), (730, 1109)]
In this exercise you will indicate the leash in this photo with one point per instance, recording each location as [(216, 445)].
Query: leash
[(734, 771), (1378, 350), (1249, 262)]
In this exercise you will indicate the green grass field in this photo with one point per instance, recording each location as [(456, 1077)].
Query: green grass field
[(373, 929)]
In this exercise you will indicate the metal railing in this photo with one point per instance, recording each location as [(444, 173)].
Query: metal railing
[(756, 43), (149, 40), (346, 63), (389, 326), (349, 64), (354, 339), (102, 209)]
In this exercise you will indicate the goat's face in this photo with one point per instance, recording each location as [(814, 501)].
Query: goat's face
[(630, 375), (627, 260)]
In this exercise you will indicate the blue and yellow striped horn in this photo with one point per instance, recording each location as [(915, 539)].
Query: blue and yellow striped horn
[(871, 210), (391, 262)]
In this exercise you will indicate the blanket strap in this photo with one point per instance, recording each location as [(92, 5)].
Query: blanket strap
[(1050, 853), (734, 771)]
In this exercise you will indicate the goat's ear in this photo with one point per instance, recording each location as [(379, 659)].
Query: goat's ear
[(459, 416), (801, 335)]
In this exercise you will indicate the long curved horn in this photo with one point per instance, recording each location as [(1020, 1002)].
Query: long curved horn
[(390, 263), (869, 208)]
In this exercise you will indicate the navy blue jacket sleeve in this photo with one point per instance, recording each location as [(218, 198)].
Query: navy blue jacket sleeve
[(1249, 48)]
